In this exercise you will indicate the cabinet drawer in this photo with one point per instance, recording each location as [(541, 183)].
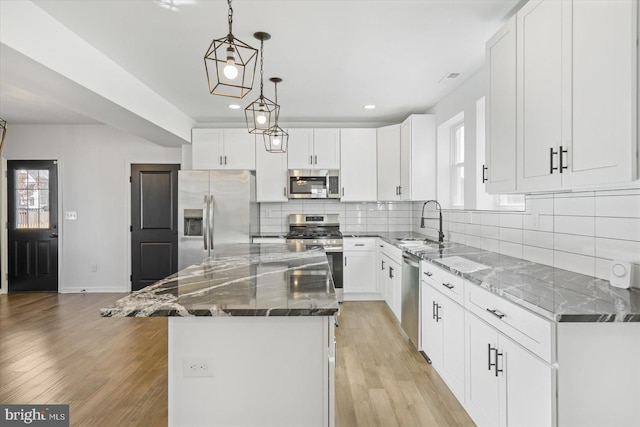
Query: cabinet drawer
[(391, 251), (430, 274), (359, 244), (526, 328)]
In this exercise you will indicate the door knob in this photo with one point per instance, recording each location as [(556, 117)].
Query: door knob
[(53, 235)]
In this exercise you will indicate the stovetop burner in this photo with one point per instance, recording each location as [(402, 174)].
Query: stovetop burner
[(314, 227), (314, 234)]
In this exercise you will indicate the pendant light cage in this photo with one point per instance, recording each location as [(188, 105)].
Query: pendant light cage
[(3, 133), (275, 138), (260, 115), (230, 64)]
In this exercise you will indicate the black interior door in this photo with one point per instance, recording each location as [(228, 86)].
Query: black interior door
[(154, 223), (33, 225)]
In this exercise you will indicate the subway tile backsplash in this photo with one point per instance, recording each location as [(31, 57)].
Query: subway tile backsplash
[(580, 231)]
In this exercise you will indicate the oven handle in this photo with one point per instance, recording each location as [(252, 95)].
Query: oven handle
[(333, 249)]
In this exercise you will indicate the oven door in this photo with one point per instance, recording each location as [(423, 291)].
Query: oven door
[(335, 258)]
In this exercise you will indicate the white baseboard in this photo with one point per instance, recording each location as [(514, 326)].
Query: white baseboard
[(365, 296)]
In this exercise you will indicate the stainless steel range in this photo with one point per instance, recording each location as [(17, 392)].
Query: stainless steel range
[(320, 230)]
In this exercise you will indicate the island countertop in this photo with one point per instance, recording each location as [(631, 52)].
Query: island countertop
[(240, 280)]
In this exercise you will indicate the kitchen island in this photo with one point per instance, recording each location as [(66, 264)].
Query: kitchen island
[(251, 337)]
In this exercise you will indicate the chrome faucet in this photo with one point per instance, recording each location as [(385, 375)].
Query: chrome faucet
[(422, 218)]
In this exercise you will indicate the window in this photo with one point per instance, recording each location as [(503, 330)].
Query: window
[(32, 198), (457, 165)]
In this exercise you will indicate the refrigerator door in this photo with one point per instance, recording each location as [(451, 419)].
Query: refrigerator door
[(193, 244), (230, 207)]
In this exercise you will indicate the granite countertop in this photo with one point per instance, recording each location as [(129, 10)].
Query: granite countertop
[(556, 294), (240, 280)]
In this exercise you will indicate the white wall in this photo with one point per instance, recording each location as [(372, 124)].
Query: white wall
[(93, 175)]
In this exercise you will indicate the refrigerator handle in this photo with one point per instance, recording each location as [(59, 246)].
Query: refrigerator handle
[(205, 214), (211, 222)]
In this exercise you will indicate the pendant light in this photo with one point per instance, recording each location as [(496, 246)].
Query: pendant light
[(275, 138), (261, 113), (230, 64), (3, 132)]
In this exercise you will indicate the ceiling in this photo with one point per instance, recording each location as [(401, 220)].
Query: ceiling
[(334, 56)]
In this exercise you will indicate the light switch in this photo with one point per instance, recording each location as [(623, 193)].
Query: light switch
[(71, 215)]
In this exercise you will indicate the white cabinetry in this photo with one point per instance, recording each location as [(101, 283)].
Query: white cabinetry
[(360, 270), (358, 165), (577, 103), (388, 143), (508, 384), (271, 176), (443, 336), (418, 158), (314, 149), (407, 159), (499, 175), (223, 149), (391, 267)]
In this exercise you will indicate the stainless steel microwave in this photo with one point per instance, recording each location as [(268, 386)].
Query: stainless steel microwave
[(313, 184)]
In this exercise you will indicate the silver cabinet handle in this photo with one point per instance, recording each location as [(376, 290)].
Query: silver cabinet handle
[(382, 264), (448, 285), (428, 273), (225, 160), (284, 192), (205, 230), (359, 244), (310, 160), (220, 160), (212, 222), (342, 191), (399, 190), (345, 261)]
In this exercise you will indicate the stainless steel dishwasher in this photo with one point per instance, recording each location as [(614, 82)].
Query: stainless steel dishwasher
[(411, 297)]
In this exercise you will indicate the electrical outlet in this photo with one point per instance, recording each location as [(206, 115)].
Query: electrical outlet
[(71, 215), (197, 367)]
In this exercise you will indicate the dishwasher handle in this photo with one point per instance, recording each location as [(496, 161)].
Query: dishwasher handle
[(412, 261)]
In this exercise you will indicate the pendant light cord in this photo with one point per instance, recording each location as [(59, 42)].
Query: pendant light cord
[(230, 19), (261, 71), (276, 89)]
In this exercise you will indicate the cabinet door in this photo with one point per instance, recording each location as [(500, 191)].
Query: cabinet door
[(431, 328), (359, 272), (388, 145), (500, 148), (326, 148), (271, 176), (482, 386), (381, 271), (602, 144), (358, 165), (300, 149), (541, 108), (206, 149), (397, 290), (528, 386), (405, 160), (452, 325), (239, 149)]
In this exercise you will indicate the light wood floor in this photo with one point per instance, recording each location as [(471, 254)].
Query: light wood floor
[(113, 372)]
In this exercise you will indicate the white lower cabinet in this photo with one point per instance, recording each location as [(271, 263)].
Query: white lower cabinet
[(359, 270), (390, 276), (506, 385), (443, 337)]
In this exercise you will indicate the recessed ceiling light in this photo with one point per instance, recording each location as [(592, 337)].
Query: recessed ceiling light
[(234, 106), (369, 107)]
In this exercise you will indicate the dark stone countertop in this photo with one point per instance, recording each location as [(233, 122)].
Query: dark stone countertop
[(554, 293), (240, 280)]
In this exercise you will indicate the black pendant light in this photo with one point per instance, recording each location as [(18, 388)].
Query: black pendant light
[(230, 64), (261, 113), (275, 138)]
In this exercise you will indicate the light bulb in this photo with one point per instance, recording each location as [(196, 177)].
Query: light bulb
[(276, 139), (230, 70), (261, 118)]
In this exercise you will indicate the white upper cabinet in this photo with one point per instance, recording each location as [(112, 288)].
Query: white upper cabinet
[(577, 100), (388, 143), (223, 149), (271, 175), (358, 165), (499, 175), (418, 157), (314, 149)]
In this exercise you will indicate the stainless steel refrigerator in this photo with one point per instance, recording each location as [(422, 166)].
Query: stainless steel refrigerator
[(214, 207)]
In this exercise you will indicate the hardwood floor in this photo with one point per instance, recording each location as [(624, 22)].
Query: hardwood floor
[(54, 348)]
